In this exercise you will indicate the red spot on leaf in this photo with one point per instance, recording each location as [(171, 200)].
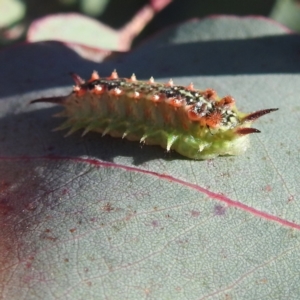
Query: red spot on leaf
[(155, 223), (65, 192), (107, 207), (268, 188), (195, 213), (31, 206), (219, 210)]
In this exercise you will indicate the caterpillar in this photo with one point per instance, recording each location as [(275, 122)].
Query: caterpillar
[(197, 124)]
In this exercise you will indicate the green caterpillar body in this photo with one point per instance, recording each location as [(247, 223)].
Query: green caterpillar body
[(197, 124)]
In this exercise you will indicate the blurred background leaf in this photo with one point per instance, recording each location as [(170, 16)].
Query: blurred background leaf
[(287, 12), (17, 15)]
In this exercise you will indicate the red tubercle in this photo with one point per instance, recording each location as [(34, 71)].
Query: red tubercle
[(192, 115), (94, 76), (190, 87), (136, 95), (116, 92), (214, 119), (151, 80), (210, 94), (77, 79), (175, 102), (226, 101), (98, 90), (79, 90), (156, 98), (114, 75), (132, 78), (170, 83)]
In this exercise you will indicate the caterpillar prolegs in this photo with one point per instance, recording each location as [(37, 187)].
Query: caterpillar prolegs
[(197, 124)]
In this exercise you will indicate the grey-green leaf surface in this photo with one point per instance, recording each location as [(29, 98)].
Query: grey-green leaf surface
[(105, 218)]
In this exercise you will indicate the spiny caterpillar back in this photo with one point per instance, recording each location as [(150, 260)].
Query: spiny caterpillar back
[(197, 124)]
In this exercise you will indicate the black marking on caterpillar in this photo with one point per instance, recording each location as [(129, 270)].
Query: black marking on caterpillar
[(197, 124)]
